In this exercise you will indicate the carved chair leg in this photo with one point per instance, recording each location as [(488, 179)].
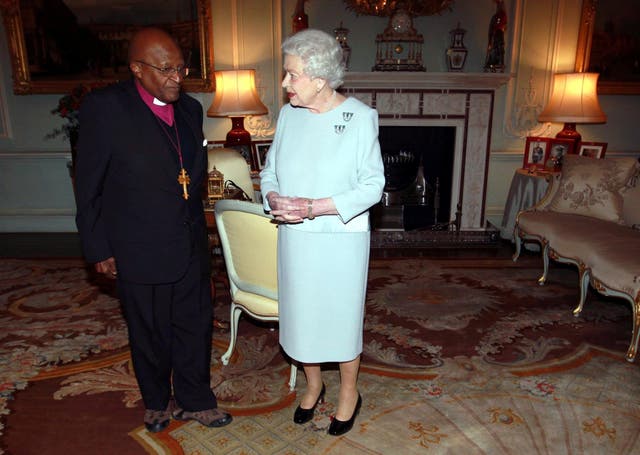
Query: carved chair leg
[(545, 261), (635, 334), (584, 288), (292, 376), (518, 241), (234, 318)]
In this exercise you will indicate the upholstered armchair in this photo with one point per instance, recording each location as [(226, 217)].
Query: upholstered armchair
[(249, 245)]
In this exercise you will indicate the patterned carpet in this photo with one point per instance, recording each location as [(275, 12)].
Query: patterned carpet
[(461, 356)]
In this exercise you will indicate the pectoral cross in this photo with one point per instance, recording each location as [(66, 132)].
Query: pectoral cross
[(184, 180)]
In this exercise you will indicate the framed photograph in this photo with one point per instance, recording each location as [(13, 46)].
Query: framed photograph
[(536, 152), (558, 148), (609, 44), (57, 46), (260, 149), (592, 149)]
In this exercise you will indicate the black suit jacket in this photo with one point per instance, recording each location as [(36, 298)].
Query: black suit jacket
[(129, 201)]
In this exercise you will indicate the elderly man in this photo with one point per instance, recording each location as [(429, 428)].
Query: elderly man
[(141, 163)]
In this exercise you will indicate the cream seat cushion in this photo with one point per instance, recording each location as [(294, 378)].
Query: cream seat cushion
[(255, 303), (610, 251), (592, 187)]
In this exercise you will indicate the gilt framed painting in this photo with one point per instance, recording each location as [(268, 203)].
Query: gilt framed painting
[(55, 46)]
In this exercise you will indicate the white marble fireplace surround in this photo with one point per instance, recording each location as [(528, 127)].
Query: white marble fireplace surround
[(462, 100)]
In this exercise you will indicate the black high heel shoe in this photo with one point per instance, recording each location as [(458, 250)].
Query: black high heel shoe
[(304, 415), (340, 427)]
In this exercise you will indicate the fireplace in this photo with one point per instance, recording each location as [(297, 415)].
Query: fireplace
[(418, 163), (461, 103)]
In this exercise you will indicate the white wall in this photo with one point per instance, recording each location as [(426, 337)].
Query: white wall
[(35, 188)]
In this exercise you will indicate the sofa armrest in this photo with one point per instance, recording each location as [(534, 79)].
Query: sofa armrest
[(541, 205), (554, 184), (631, 204)]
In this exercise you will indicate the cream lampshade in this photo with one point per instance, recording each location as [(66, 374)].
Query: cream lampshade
[(236, 97), (574, 99)]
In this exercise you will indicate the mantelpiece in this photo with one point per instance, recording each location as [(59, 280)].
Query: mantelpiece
[(425, 80), (461, 100)]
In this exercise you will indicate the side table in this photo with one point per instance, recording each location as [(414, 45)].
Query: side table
[(525, 191)]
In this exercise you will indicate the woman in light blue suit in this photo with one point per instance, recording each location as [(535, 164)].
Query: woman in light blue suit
[(323, 173)]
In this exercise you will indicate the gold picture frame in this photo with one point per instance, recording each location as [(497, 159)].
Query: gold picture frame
[(27, 37), (617, 84)]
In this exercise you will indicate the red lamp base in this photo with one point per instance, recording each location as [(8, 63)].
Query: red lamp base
[(237, 135), (569, 132)]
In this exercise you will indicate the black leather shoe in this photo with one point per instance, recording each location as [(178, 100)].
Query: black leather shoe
[(304, 415), (340, 427), (156, 421)]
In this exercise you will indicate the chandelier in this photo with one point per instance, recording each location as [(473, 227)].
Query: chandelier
[(387, 7)]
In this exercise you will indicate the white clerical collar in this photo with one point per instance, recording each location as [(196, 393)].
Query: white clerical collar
[(157, 102)]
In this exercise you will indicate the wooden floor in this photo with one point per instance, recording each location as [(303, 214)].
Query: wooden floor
[(58, 245)]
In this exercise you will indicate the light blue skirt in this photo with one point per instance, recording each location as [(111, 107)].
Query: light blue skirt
[(322, 282)]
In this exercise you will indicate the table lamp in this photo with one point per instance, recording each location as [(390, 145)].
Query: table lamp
[(574, 99), (236, 97)]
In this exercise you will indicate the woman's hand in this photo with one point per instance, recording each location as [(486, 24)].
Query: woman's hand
[(288, 209), (296, 209)]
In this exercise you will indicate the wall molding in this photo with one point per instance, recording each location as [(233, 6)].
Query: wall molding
[(37, 192), (26, 154), (268, 73), (38, 222), (5, 126), (526, 97)]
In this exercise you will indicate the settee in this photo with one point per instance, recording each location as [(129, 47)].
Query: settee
[(590, 217)]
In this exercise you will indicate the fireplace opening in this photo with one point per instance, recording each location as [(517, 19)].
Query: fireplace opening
[(418, 163)]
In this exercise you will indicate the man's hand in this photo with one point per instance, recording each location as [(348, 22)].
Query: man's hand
[(107, 267)]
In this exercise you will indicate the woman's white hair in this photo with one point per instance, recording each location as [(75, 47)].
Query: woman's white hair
[(320, 53)]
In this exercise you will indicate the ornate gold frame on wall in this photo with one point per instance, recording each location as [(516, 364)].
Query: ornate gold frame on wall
[(583, 54), (24, 83)]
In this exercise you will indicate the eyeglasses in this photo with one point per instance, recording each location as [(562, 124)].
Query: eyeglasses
[(169, 71)]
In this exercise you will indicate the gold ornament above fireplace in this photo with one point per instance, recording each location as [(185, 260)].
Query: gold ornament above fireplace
[(399, 46), (387, 7)]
